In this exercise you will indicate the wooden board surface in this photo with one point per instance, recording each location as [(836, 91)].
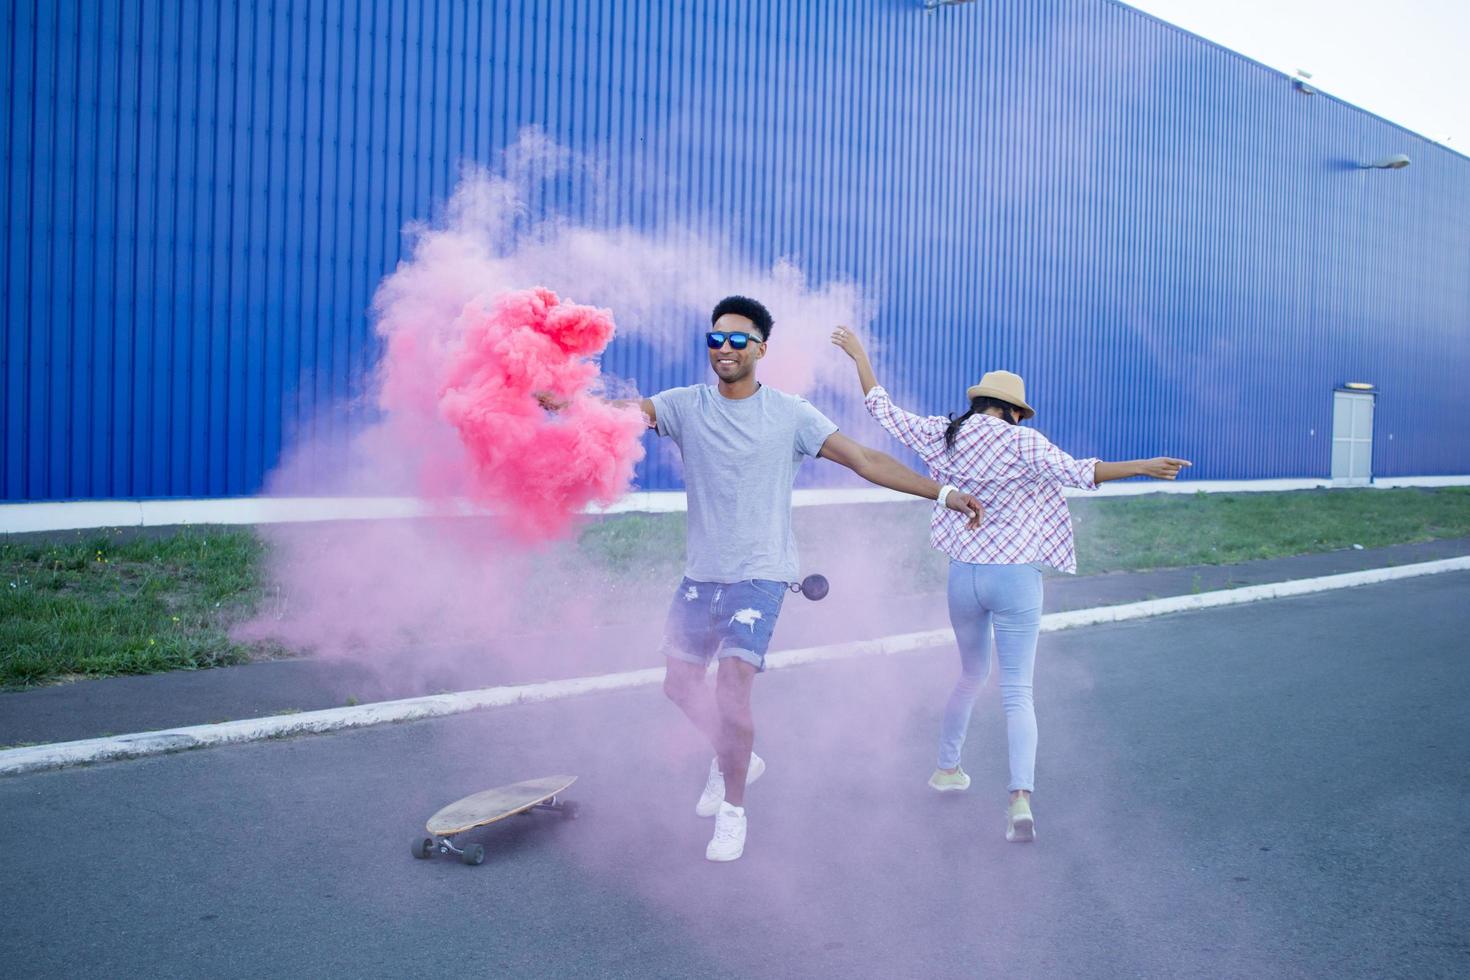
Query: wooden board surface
[(495, 804)]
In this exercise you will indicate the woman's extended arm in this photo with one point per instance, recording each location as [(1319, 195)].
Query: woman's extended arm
[(1159, 468), (1046, 460)]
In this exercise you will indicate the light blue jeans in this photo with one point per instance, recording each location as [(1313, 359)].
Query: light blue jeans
[(1007, 599)]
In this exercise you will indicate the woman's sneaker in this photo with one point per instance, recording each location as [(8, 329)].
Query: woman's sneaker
[(950, 782), (714, 786), (728, 843), (1020, 825)]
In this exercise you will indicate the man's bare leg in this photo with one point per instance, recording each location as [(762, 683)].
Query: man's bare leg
[(684, 685), (737, 727)]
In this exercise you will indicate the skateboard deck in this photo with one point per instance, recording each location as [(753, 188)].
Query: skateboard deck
[(487, 807)]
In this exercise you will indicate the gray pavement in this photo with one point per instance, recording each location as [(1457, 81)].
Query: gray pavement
[(1276, 789), (113, 706)]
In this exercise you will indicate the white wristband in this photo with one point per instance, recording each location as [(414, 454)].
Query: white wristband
[(944, 492)]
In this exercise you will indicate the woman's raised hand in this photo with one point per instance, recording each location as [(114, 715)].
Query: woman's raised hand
[(848, 342)]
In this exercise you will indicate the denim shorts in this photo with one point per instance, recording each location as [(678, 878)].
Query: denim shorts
[(723, 619)]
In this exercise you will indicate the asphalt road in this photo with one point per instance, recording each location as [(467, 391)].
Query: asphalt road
[(1277, 789)]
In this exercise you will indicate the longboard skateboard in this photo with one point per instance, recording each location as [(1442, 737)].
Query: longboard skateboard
[(487, 807)]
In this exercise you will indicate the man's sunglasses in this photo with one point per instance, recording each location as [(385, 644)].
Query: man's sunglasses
[(716, 339)]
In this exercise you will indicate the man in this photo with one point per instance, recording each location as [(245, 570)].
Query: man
[(742, 443)]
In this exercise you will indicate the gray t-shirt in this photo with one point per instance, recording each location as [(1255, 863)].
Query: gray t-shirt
[(740, 461)]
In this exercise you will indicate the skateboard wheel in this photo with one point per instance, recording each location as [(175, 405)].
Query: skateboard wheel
[(473, 854), (571, 809), (423, 847)]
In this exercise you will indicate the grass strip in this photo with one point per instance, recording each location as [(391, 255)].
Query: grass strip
[(125, 602), (118, 603), (1174, 530)]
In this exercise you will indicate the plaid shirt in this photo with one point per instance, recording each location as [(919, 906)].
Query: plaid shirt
[(1014, 471)]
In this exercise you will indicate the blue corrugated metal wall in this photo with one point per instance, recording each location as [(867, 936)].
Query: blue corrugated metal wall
[(1171, 244)]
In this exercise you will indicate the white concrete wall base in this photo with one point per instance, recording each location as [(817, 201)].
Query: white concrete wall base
[(81, 514)]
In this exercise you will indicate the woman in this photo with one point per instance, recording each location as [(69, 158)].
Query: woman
[(994, 572)]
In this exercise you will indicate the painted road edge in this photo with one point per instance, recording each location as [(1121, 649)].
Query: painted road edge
[(60, 755)]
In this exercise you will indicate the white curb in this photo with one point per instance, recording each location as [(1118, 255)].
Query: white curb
[(62, 754)]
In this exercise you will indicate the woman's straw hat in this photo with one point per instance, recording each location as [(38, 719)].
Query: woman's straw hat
[(1007, 387)]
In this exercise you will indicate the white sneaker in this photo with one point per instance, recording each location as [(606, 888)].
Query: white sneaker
[(728, 843), (714, 787)]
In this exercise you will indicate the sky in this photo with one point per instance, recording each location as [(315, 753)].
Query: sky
[(1405, 60)]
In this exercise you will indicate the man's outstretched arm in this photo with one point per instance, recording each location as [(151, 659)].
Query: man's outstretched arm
[(551, 403), (885, 471)]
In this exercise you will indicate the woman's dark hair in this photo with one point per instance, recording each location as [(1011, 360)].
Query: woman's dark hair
[(748, 308), (977, 406)]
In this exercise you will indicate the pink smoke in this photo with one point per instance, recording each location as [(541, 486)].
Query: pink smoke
[(466, 344), (537, 469)]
